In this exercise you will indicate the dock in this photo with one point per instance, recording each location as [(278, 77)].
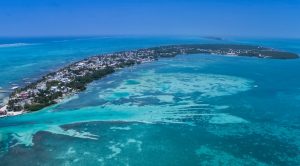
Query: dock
[(4, 91)]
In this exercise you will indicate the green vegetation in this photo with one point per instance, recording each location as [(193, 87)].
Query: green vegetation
[(49, 84), (35, 106), (80, 82)]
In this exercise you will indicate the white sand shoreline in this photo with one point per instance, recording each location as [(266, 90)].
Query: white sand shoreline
[(5, 113)]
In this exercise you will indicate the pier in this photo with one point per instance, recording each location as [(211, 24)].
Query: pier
[(4, 91)]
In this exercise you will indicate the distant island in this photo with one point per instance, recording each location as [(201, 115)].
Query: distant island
[(213, 37), (74, 78)]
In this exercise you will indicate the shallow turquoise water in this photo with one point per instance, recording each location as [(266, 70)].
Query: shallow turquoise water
[(188, 110)]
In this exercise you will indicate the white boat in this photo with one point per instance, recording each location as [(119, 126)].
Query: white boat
[(14, 87)]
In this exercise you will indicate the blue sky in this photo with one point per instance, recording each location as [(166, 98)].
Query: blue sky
[(257, 18)]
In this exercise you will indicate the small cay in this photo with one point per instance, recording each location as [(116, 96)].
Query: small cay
[(73, 78)]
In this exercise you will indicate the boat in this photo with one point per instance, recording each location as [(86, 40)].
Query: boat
[(14, 87)]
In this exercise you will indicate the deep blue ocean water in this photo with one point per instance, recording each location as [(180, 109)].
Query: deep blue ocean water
[(188, 110)]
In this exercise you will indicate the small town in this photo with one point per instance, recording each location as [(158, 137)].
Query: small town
[(72, 79)]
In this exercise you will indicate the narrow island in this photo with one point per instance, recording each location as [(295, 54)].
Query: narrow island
[(55, 86)]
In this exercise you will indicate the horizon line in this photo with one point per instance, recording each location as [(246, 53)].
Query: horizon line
[(150, 35)]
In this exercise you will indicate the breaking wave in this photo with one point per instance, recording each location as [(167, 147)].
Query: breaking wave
[(14, 45)]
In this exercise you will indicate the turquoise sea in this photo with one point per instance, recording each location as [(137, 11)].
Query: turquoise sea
[(189, 110)]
